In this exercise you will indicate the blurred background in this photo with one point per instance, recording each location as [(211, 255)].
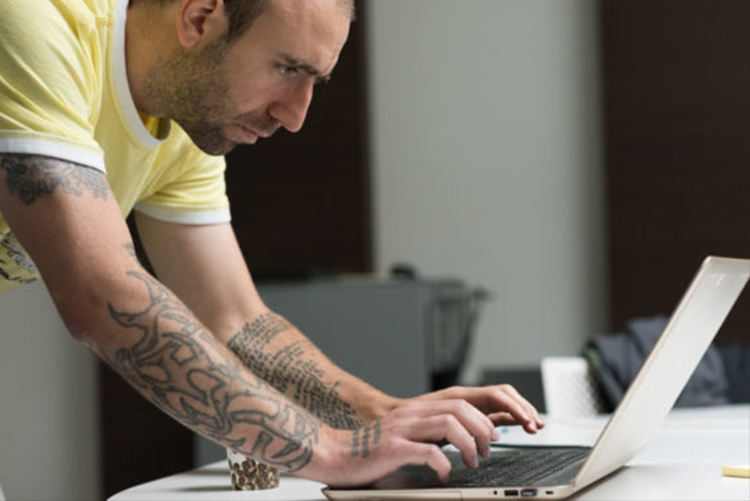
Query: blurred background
[(554, 167)]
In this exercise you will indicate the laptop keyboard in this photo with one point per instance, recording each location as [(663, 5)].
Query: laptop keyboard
[(517, 467)]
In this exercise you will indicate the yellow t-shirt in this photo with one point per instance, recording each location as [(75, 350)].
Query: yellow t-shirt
[(64, 93)]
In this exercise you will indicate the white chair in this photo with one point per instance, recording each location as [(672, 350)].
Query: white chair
[(569, 388)]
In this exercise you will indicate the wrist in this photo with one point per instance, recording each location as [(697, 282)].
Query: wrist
[(378, 406), (388, 405), (330, 456)]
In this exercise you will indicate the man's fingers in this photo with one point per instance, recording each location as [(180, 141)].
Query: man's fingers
[(507, 398), (448, 427), (503, 419), (530, 409), (510, 405), (494, 399), (478, 425), (432, 456)]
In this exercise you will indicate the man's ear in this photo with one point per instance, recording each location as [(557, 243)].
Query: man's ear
[(200, 20)]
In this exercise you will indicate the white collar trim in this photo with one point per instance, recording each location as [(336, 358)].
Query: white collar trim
[(122, 88)]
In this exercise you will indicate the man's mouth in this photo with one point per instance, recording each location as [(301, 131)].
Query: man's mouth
[(249, 136)]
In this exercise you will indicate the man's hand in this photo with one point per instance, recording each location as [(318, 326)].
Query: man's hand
[(408, 435), (414, 431), (501, 403)]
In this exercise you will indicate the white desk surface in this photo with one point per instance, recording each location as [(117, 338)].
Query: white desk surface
[(682, 462)]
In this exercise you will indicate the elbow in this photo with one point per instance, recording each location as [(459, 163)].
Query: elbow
[(82, 315), (82, 334)]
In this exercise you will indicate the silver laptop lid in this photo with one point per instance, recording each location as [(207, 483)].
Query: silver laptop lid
[(664, 374)]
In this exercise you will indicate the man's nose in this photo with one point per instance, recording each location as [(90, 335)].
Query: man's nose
[(291, 109)]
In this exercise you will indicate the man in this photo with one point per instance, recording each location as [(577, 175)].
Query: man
[(110, 105)]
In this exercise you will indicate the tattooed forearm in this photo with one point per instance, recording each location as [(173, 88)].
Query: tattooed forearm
[(292, 371), (365, 443), (32, 177), (179, 366)]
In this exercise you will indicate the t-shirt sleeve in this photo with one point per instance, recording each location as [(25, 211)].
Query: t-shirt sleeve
[(191, 192), (49, 83)]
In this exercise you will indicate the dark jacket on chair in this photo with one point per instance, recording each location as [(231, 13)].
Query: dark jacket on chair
[(722, 376)]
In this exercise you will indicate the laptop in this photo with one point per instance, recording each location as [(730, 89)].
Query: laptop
[(688, 334)]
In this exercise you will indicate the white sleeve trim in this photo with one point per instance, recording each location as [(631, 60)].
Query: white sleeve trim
[(184, 216), (67, 152)]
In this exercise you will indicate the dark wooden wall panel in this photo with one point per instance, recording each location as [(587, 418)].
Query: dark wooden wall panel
[(677, 120), (301, 202)]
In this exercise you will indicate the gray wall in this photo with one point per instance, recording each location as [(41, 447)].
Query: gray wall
[(487, 162), (48, 406)]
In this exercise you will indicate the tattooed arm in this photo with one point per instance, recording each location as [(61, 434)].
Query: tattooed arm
[(66, 218), (219, 289), (68, 221), (205, 267)]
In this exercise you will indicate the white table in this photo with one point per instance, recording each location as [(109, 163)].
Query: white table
[(683, 462)]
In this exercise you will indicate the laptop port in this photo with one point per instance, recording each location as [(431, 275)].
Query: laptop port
[(528, 493), (511, 492)]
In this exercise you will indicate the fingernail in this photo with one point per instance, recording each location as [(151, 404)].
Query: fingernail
[(495, 435)]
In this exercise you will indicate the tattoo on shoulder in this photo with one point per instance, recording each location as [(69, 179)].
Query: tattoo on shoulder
[(32, 177), (291, 370), (179, 366)]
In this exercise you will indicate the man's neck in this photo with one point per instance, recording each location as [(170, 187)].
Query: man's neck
[(149, 36)]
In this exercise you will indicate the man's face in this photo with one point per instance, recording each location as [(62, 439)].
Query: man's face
[(223, 95)]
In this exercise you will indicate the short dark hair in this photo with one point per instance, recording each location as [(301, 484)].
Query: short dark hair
[(242, 13)]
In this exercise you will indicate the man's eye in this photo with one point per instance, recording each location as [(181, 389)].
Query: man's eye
[(287, 70)]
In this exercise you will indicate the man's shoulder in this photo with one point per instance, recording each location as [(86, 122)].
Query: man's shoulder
[(77, 16), (42, 31)]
